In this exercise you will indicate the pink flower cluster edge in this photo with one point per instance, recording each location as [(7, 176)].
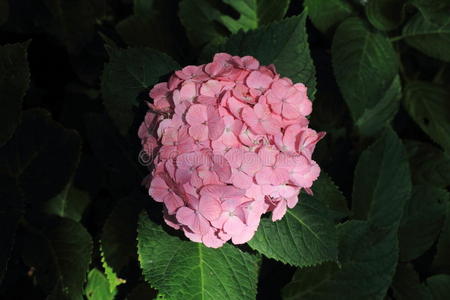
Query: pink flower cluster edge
[(231, 142)]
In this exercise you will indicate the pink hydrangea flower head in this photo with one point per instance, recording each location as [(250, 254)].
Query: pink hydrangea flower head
[(230, 142)]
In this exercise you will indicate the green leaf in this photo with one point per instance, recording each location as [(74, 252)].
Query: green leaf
[(11, 211), (111, 277), (304, 237), (42, 156), (429, 38), (284, 44), (326, 191), (429, 165), (187, 270), (75, 22), (97, 287), (377, 117), (113, 152), (254, 13), (382, 183), (422, 220), (202, 18), (406, 284), (4, 11), (327, 14), (60, 252), (385, 14), (435, 11), (118, 238), (152, 26), (439, 286), (441, 262), (14, 81), (70, 203), (428, 105), (365, 65), (128, 73), (367, 259)]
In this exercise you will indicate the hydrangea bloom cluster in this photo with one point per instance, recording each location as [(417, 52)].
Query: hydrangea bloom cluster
[(231, 142)]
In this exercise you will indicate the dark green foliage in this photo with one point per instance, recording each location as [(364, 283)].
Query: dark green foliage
[(76, 222)]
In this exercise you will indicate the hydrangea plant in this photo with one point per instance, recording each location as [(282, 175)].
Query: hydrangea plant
[(231, 142)]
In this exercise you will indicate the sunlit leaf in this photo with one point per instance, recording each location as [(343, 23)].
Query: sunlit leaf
[(187, 270)]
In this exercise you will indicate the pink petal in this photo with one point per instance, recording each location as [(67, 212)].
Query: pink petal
[(199, 132), (251, 163), (173, 202), (241, 180), (212, 240), (159, 90), (210, 207), (196, 114), (216, 124), (221, 167), (158, 189), (188, 92), (251, 119), (258, 80), (233, 226), (279, 211), (195, 237), (235, 157)]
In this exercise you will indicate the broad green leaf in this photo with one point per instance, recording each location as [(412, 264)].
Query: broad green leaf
[(128, 73), (377, 117), (202, 18), (327, 14), (75, 22), (435, 11), (11, 211), (406, 284), (152, 26), (111, 277), (382, 183), (284, 44), (114, 153), (441, 262), (97, 287), (70, 203), (254, 13), (439, 286), (14, 81), (186, 270), (60, 252), (305, 236), (422, 220), (429, 38), (367, 259), (326, 191), (429, 164), (428, 105), (42, 156), (118, 238), (385, 14), (365, 65), (4, 11)]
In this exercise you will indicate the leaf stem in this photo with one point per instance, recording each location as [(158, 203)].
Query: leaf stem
[(438, 77), (397, 38)]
